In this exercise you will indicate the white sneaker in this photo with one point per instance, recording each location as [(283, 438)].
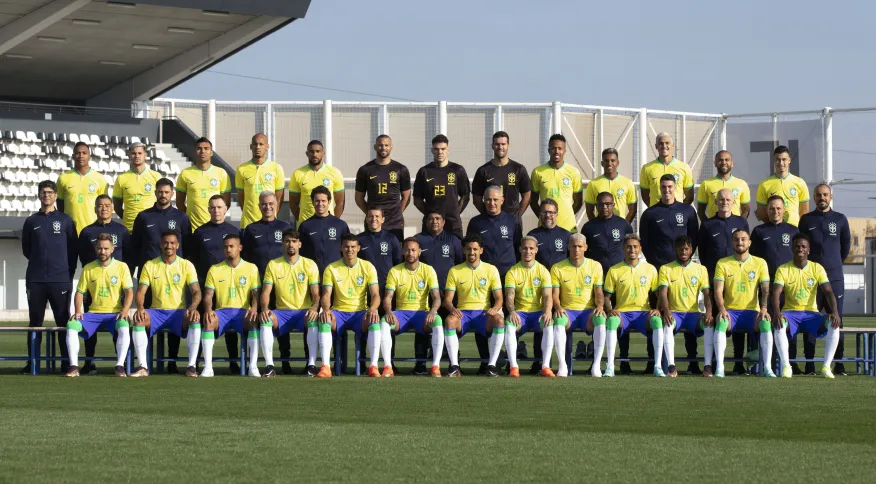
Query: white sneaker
[(207, 372), (254, 372), (596, 372), (563, 371)]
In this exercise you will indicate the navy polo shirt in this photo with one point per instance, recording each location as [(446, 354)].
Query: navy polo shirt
[(88, 237), (263, 242), (772, 242), (831, 240), (146, 236), (321, 239), (660, 225), (501, 236), (381, 249), (553, 245), (442, 252), (715, 239), (207, 248), (605, 240)]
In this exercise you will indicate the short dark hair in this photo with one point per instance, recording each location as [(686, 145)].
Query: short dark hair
[(231, 236), (742, 229), (603, 195), (374, 206), (82, 143), (610, 151), (721, 151), (501, 134), (203, 140), (104, 236), (548, 201), (315, 142), (556, 137), (382, 136), (292, 234), (775, 197), (163, 182), (102, 196), (216, 197), (440, 139), (411, 239), (47, 184), (668, 177), (349, 237), (683, 240), (472, 238), (436, 212), (801, 236), (320, 190), (169, 232), (781, 149)]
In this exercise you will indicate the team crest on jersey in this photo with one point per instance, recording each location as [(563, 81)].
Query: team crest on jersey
[(832, 227), (242, 281), (147, 187), (56, 226), (786, 238), (421, 285), (278, 235), (176, 278), (735, 192), (171, 224), (332, 232), (676, 176), (92, 188), (393, 177), (751, 275), (384, 248), (588, 280), (360, 280), (567, 182), (445, 249), (615, 234), (512, 178), (558, 244), (536, 282), (300, 277), (620, 193), (482, 282), (326, 182), (214, 183), (810, 282), (643, 280), (114, 280), (679, 218), (792, 192), (115, 240), (504, 230), (268, 177), (694, 280), (451, 178)]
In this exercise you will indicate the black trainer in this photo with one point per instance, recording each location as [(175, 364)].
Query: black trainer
[(25, 370), (625, 368), (269, 372), (581, 350), (420, 369), (649, 368), (535, 369), (739, 369), (88, 369), (482, 370), (287, 368), (693, 368), (521, 350), (795, 369), (840, 369), (454, 372), (809, 369), (310, 370), (491, 371), (234, 368), (171, 369)]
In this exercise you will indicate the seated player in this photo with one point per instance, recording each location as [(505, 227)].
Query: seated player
[(577, 303), (296, 279), (108, 282), (741, 285), (353, 281), (167, 276), (528, 300), (414, 284), (679, 284), (472, 282), (631, 281), (235, 282), (800, 280)]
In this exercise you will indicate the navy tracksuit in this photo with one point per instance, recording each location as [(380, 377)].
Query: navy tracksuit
[(553, 247), (146, 235), (501, 236), (442, 252), (605, 240), (321, 240)]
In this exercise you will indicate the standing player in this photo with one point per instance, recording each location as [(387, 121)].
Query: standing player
[(620, 187), (741, 285), (506, 173), (707, 203), (385, 183), (801, 279), (314, 174), (79, 187), (257, 175), (133, 190), (296, 305), (651, 175), (472, 282), (679, 284), (166, 277), (442, 186), (632, 282), (829, 241), (235, 282), (413, 285), (791, 188), (108, 282), (46, 237), (577, 304), (197, 184), (353, 282), (559, 181)]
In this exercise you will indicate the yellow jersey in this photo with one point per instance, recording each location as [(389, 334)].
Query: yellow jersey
[(350, 284), (801, 285), (631, 285), (305, 179), (559, 184), (105, 284), (252, 180), (233, 286), (137, 193), (412, 287), (649, 178), (473, 286), (708, 193), (792, 189), (294, 291), (199, 185), (741, 280), (78, 192), (683, 284), (621, 188), (168, 282), (529, 284), (576, 283)]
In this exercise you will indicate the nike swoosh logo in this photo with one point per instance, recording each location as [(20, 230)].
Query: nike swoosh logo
[(37, 228), (402, 285), (489, 179), (673, 280), (767, 238), (156, 277), (539, 244), (622, 280), (153, 225), (429, 179), (207, 240), (221, 280), (811, 228), (364, 248), (372, 177), (257, 236), (715, 235), (93, 280), (659, 220), (424, 250), (94, 240), (461, 283), (311, 233), (597, 235), (566, 280), (65, 292), (519, 284), (279, 277), (838, 297), (484, 231)]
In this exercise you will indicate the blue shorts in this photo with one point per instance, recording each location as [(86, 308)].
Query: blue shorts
[(169, 319), (230, 319), (529, 321), (349, 321), (94, 322), (290, 320), (808, 321), (473, 320), (742, 320), (637, 320), (410, 320), (688, 322), (578, 319)]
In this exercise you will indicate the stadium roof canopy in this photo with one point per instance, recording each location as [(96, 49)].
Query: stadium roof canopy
[(110, 53)]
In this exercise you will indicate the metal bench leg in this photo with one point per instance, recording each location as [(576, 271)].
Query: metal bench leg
[(243, 366), (338, 353), (358, 354), (34, 357)]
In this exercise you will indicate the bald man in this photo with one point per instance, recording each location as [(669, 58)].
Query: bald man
[(666, 163), (257, 175)]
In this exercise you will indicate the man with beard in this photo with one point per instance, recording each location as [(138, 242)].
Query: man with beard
[(707, 204), (314, 174), (506, 173), (620, 187), (385, 183)]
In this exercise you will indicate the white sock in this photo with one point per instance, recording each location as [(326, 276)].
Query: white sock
[(141, 341), (598, 345), (720, 349), (669, 344), (267, 337), (386, 344), (437, 344), (312, 345), (252, 346), (374, 344), (657, 341), (193, 341), (451, 339), (781, 337), (560, 344), (325, 347), (610, 345), (831, 341), (709, 345), (547, 346), (73, 346), (497, 339), (511, 344), (208, 343), (766, 349), (123, 342)]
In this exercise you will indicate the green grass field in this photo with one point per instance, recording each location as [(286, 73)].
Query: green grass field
[(473, 429)]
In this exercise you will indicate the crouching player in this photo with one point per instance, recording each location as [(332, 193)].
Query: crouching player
[(167, 276), (528, 301), (577, 304), (414, 284), (108, 282), (632, 282), (296, 280), (353, 281), (679, 284), (800, 279), (235, 282), (472, 282)]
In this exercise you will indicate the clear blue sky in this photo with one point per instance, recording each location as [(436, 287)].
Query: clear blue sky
[(703, 56)]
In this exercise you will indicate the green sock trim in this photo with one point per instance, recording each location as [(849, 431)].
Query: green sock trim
[(139, 329), (656, 322), (599, 321), (122, 323), (74, 325), (325, 328), (195, 326), (312, 324), (722, 325), (449, 332), (438, 322), (208, 335), (374, 327), (508, 323), (266, 324), (253, 334), (613, 323), (561, 321), (764, 326), (383, 319), (498, 330)]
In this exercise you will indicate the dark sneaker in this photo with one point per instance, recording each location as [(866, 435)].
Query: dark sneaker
[(521, 350), (311, 370), (581, 350), (649, 369), (840, 369), (673, 371), (88, 369), (693, 369), (739, 369), (269, 372), (72, 371), (287, 368), (491, 371), (809, 369), (535, 369), (171, 369), (25, 370), (420, 369), (625, 368), (482, 370), (795, 369), (234, 368), (454, 372), (120, 371), (192, 372), (707, 371)]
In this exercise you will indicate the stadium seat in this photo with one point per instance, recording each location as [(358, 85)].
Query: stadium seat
[(4, 190), (32, 178), (67, 150), (115, 140), (8, 135), (17, 163), (32, 137), (85, 138), (6, 205), (73, 138), (109, 179), (20, 136), (63, 138), (120, 153), (104, 139), (145, 141), (114, 167), (96, 140), (13, 190), (20, 176), (102, 166), (27, 163), (13, 148), (17, 206), (5, 162), (124, 166), (99, 153), (134, 139)]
